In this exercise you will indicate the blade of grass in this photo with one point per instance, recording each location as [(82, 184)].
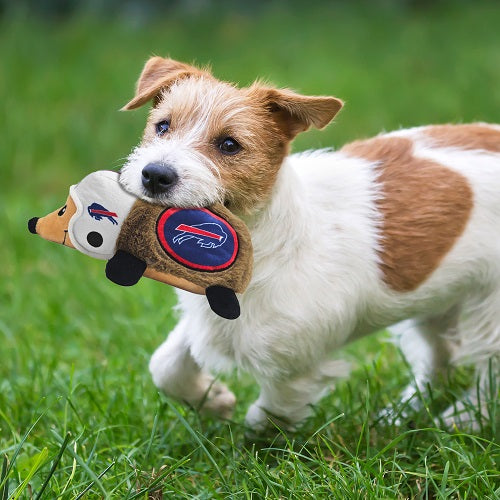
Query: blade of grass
[(80, 495), (196, 437), (54, 465), (444, 479), (82, 464), (153, 431), (166, 472), (18, 449), (71, 476), (40, 459), (4, 490)]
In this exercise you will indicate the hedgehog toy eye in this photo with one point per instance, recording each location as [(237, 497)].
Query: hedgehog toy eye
[(95, 239), (61, 212)]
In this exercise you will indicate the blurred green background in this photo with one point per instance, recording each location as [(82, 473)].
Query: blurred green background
[(75, 346)]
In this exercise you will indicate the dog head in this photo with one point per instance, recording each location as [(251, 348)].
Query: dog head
[(208, 141)]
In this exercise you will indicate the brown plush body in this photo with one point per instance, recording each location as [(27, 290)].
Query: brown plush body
[(138, 237)]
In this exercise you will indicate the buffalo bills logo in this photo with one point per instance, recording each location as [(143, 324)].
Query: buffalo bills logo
[(97, 212), (197, 238), (207, 235)]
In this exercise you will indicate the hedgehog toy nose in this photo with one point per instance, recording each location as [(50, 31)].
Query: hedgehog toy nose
[(157, 178), (32, 225)]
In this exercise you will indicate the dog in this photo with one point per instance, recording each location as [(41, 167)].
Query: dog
[(401, 229)]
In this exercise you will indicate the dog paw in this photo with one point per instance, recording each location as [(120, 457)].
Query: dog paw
[(398, 416), (460, 417), (219, 401), (390, 416), (401, 411), (261, 421), (256, 418)]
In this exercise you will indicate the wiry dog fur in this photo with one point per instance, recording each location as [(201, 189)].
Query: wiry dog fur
[(400, 229)]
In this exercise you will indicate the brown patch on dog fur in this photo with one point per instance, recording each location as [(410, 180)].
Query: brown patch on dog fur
[(475, 136), (425, 208)]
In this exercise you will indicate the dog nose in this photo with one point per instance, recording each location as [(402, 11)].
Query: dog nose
[(32, 225), (158, 177)]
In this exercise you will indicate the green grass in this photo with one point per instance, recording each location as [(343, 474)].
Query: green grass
[(78, 411)]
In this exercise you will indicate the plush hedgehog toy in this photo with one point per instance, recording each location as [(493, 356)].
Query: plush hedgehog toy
[(202, 250)]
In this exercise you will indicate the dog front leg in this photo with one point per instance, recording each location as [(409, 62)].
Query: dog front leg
[(176, 373)]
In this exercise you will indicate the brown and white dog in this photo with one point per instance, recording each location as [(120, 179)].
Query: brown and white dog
[(400, 229)]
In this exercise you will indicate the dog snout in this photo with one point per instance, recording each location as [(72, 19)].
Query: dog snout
[(157, 178)]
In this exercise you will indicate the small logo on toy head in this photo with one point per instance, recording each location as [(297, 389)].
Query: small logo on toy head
[(97, 212), (208, 234)]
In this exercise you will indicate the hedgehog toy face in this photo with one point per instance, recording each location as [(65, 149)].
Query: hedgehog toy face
[(54, 226), (92, 217)]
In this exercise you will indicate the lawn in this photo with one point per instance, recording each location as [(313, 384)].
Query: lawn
[(79, 415)]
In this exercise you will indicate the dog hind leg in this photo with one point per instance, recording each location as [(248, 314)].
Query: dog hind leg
[(426, 346), (478, 343), (286, 402)]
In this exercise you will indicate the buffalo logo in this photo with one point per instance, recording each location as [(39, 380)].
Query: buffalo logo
[(208, 234), (197, 238), (97, 212)]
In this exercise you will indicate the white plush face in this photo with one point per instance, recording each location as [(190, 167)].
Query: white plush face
[(101, 208)]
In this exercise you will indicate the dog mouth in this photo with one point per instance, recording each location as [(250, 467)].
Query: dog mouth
[(164, 183), (164, 198), (159, 198), (181, 194), (171, 200)]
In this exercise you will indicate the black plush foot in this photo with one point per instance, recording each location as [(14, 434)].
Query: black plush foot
[(223, 301), (125, 269)]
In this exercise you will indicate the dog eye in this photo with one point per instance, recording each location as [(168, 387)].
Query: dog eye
[(229, 146), (162, 127), (61, 212)]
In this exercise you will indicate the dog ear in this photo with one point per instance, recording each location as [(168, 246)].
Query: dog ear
[(159, 73), (295, 113)]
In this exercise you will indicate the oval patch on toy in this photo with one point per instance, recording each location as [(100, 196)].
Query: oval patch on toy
[(197, 238)]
